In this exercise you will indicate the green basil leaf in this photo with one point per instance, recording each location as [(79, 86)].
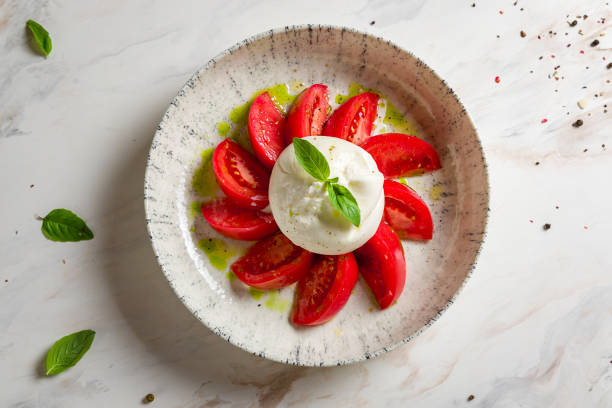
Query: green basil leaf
[(311, 159), (333, 180), (344, 201), (64, 225), (41, 36), (68, 350)]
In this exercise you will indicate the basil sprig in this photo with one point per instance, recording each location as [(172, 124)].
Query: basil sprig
[(67, 351), (315, 164), (41, 36), (64, 225)]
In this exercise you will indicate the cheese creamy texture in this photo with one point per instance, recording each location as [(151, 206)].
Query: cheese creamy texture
[(302, 209)]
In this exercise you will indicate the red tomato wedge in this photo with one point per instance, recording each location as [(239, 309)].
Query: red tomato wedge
[(273, 263), (353, 119), (398, 155), (266, 130), (406, 213), (382, 265), (325, 289), (240, 175), (237, 222), (308, 113)]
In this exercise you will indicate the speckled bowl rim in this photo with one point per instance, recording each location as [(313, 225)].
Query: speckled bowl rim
[(300, 27)]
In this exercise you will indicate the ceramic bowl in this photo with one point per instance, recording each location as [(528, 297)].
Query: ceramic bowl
[(195, 258)]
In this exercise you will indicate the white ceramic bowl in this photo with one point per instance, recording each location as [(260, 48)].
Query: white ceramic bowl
[(457, 194)]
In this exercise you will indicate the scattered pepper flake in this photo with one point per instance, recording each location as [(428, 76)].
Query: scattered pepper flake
[(585, 150), (609, 65), (582, 52), (149, 398), (573, 23), (537, 163), (580, 32), (546, 227), (586, 227), (64, 261), (531, 221), (372, 22), (6, 281), (595, 43), (497, 79), (523, 34), (578, 123), (31, 185), (501, 12), (471, 397), (544, 120)]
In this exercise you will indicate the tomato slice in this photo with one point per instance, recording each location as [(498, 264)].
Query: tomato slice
[(353, 119), (240, 175), (382, 265), (273, 263), (406, 213), (325, 289), (399, 155), (266, 130), (237, 222), (308, 113)]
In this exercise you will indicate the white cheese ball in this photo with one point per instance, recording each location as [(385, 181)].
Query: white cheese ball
[(302, 209)]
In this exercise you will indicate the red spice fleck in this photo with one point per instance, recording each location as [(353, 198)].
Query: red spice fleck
[(6, 281), (586, 227), (582, 52), (552, 56), (497, 79), (501, 12), (544, 120), (531, 221), (539, 38)]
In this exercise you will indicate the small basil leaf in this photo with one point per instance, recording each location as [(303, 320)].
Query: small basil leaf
[(41, 36), (311, 159), (344, 201), (68, 350), (64, 225), (333, 180)]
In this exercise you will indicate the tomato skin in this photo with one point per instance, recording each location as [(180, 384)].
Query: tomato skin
[(399, 155), (237, 222), (266, 130), (273, 263), (325, 289), (241, 177), (353, 119), (406, 213), (308, 113), (382, 265)]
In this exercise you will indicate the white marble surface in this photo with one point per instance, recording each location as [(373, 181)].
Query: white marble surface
[(533, 327)]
